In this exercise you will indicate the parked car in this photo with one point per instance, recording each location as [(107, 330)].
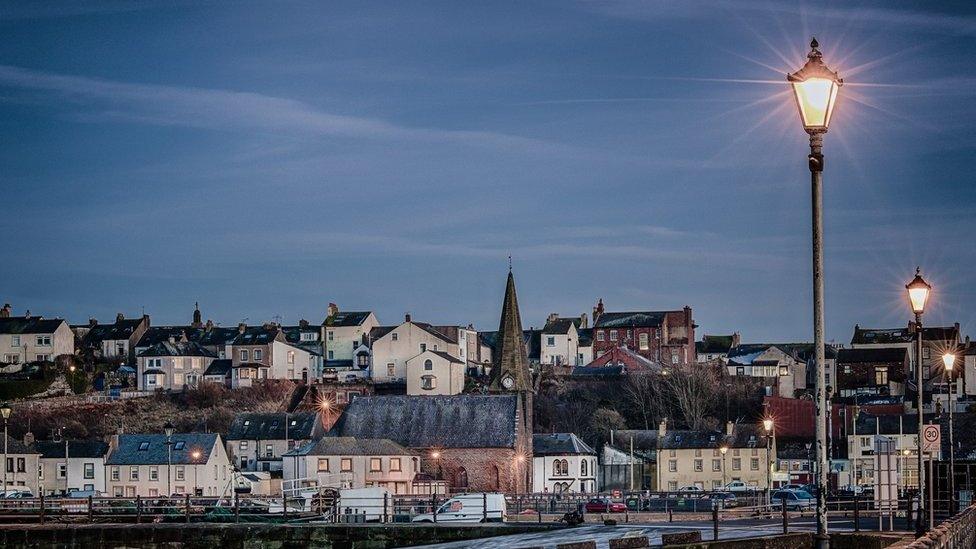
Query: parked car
[(796, 500), (604, 505), (725, 500), (739, 486), (794, 487), (16, 494), (691, 489), (474, 507)]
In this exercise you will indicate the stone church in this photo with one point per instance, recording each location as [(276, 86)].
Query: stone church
[(478, 442)]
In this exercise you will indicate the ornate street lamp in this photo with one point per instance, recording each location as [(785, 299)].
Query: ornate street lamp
[(768, 426), (724, 450), (5, 411), (949, 360), (815, 89), (918, 294), (168, 430)]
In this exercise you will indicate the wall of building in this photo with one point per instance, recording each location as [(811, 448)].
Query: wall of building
[(448, 377), (545, 474), (409, 337), (679, 468), (49, 482), (359, 474)]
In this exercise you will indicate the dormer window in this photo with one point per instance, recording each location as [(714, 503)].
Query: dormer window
[(143, 446), (179, 445)]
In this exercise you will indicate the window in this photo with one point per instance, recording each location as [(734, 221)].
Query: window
[(89, 470), (428, 365), (15, 341), (740, 371), (642, 340), (881, 375), (599, 336), (245, 356), (698, 465), (179, 445), (43, 358), (330, 334), (395, 465), (926, 352), (346, 465), (716, 485), (784, 371), (154, 473), (362, 359), (423, 347), (268, 450), (674, 358), (308, 336), (672, 486), (291, 357), (115, 474), (117, 491), (143, 446), (323, 462), (62, 470), (698, 453), (153, 492), (11, 358), (428, 382), (754, 464), (716, 465), (550, 341), (244, 443), (394, 336), (583, 468), (258, 355), (736, 464), (673, 465), (556, 468), (613, 335), (133, 473), (180, 472), (331, 355), (44, 340), (390, 369), (375, 465)]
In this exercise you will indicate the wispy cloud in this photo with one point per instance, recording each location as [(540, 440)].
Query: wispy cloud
[(225, 109)]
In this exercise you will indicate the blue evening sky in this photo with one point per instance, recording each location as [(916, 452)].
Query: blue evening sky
[(266, 158)]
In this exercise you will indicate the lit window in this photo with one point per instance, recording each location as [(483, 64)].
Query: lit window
[(613, 335), (643, 341), (428, 382), (323, 464), (375, 465), (346, 465)]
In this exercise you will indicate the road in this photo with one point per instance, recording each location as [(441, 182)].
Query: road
[(602, 534)]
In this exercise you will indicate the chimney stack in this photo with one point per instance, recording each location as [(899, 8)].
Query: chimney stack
[(584, 321), (28, 439), (729, 427), (406, 317), (552, 317), (92, 322), (27, 314), (331, 310), (662, 428), (241, 327), (119, 317), (5, 311), (303, 323)]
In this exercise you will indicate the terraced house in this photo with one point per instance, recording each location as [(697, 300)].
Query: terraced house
[(257, 441), (153, 465), (29, 338), (666, 337)]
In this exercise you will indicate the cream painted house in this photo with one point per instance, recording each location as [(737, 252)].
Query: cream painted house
[(392, 346), (32, 338), (67, 466), (172, 365), (435, 373), (343, 332), (22, 468), (152, 465), (560, 342), (347, 462)]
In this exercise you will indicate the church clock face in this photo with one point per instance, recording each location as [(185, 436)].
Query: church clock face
[(508, 382)]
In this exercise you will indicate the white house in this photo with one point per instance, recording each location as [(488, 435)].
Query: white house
[(560, 341), (347, 462), (256, 441), (33, 338), (562, 463), (435, 373), (153, 465), (172, 365), (392, 346), (344, 331), (66, 466)]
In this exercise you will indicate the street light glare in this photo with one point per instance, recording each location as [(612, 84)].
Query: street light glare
[(815, 89), (768, 424), (949, 360), (918, 292)]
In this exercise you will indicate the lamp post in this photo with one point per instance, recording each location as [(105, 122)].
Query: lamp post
[(949, 359), (904, 464), (5, 411), (768, 426), (724, 450), (815, 90), (168, 429), (918, 294), (196, 456)]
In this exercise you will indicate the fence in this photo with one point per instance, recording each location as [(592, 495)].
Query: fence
[(959, 531)]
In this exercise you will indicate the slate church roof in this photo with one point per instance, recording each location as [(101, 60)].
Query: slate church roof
[(459, 421)]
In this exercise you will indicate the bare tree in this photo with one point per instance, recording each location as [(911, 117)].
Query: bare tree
[(693, 390)]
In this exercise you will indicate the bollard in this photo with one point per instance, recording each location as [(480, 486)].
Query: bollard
[(909, 514), (386, 502), (857, 514), (670, 514), (138, 509), (786, 518), (91, 509), (187, 508), (484, 507), (433, 507), (41, 512), (237, 507), (715, 521), (284, 506)]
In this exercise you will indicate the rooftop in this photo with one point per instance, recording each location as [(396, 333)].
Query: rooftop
[(29, 325), (272, 426), (555, 444), (151, 449), (351, 446)]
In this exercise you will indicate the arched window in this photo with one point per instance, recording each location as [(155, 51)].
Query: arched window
[(565, 468), (583, 468), (462, 478), (428, 364), (556, 468)]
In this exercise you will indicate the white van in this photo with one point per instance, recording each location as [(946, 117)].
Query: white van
[(476, 507)]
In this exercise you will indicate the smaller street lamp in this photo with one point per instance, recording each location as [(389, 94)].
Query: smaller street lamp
[(768, 426), (949, 360), (724, 450), (918, 295), (196, 460), (5, 411), (168, 430)]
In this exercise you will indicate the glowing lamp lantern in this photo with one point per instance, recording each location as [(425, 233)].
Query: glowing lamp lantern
[(815, 90), (918, 292), (768, 424), (949, 360)]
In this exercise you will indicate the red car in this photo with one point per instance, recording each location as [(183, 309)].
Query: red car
[(604, 505)]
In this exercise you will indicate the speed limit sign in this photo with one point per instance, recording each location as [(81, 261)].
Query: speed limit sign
[(931, 439)]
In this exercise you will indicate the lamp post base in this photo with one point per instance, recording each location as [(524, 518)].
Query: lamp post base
[(821, 541)]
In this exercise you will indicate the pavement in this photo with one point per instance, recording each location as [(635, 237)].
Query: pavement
[(602, 534)]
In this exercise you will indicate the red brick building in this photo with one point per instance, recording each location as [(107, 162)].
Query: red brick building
[(666, 337)]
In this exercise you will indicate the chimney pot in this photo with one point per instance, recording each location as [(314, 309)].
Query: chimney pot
[(241, 327), (119, 317), (92, 322), (662, 428), (729, 427), (406, 317), (5, 311), (28, 438)]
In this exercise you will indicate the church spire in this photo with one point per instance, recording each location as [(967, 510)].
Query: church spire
[(510, 365), (197, 317)]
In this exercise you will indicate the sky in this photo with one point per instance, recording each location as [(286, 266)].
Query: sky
[(267, 158)]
